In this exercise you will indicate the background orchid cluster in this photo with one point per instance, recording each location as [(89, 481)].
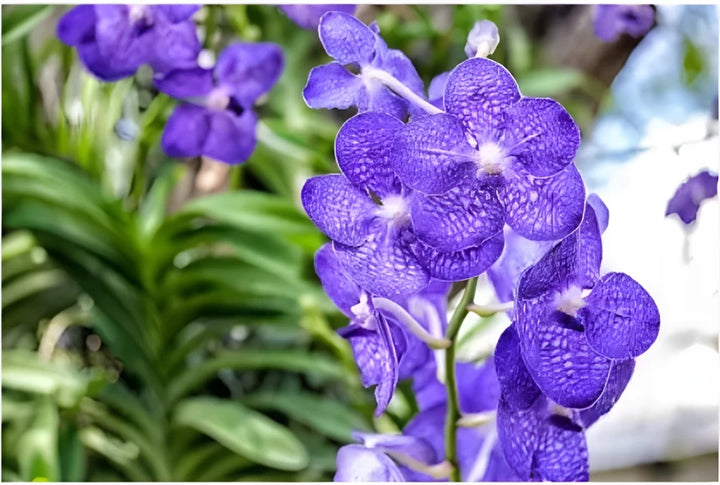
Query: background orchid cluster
[(306, 242), (424, 197)]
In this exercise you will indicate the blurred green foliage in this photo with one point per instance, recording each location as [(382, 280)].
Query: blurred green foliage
[(153, 334)]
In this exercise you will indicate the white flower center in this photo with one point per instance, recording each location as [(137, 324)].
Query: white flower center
[(491, 159), (218, 99), (394, 209), (570, 300), (363, 313)]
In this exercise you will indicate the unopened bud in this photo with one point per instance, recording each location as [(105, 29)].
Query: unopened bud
[(482, 40)]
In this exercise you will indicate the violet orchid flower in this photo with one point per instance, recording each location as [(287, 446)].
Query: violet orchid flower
[(350, 42), (570, 339), (611, 21), (389, 240), (691, 193), (308, 16), (217, 119), (113, 41), (383, 347), (494, 140), (541, 440)]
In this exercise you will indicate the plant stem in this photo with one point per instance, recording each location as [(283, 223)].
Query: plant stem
[(453, 405), (400, 89)]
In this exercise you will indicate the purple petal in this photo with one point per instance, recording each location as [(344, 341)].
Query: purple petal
[(498, 469), (401, 68), (688, 197), (332, 86), (436, 90), (173, 46), (428, 425), (356, 463), (186, 131), (478, 386), (558, 356), (462, 217), (433, 154), (249, 70), (376, 97), (562, 454), (363, 149), (428, 390), (518, 254), (478, 92), (384, 265), (573, 261), (338, 208), (612, 20), (519, 391), (518, 434), (346, 39), (543, 209), (77, 25), (601, 211), (231, 138), (412, 446), (339, 287), (621, 319), (177, 13), (620, 374), (308, 16), (460, 265), (186, 83), (543, 136)]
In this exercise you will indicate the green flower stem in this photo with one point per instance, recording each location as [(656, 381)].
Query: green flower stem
[(453, 405)]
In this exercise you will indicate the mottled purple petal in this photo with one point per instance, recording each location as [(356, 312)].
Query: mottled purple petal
[(543, 209), (364, 147), (77, 25), (231, 138), (433, 154), (498, 469), (186, 131), (186, 83), (346, 39), (688, 197), (558, 356), (562, 454), (460, 265), (308, 16), (356, 463), (384, 265), (621, 319), (573, 261), (620, 374), (462, 217), (541, 135), (332, 86), (339, 287), (478, 92), (518, 434), (519, 391), (249, 70), (338, 208)]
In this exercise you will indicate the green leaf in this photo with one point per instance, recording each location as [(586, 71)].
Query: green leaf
[(693, 62), (19, 20), (244, 431), (71, 452), (37, 448), (550, 82), (329, 417)]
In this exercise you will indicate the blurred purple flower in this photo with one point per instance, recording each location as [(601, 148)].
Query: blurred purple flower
[(612, 20), (113, 41), (492, 140), (691, 193), (573, 325), (217, 120), (352, 43), (308, 16)]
